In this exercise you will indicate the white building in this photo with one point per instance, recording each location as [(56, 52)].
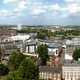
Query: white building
[(18, 40), (74, 41), (53, 47), (71, 45), (31, 46), (68, 57), (19, 37), (71, 71)]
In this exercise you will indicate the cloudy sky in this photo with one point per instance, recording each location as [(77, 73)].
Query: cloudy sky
[(36, 12)]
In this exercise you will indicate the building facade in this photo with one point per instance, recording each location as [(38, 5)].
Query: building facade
[(71, 71)]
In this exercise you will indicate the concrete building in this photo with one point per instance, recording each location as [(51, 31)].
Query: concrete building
[(12, 43), (18, 40), (7, 33), (71, 71), (68, 28), (19, 37), (4, 33), (7, 48), (71, 45), (53, 47), (31, 46)]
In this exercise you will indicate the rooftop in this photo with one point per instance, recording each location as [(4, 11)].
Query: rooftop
[(49, 69), (51, 44), (54, 45), (20, 37), (69, 63), (74, 41)]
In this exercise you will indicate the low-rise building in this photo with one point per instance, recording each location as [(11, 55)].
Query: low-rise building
[(6, 49), (31, 46), (72, 44), (4, 33), (53, 47)]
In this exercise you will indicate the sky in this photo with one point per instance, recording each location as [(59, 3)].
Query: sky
[(40, 12)]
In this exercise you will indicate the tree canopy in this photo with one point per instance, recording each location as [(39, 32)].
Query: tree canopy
[(43, 53), (1, 54), (3, 70), (76, 54), (15, 59), (26, 71), (22, 67)]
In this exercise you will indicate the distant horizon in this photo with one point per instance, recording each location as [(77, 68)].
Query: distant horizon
[(39, 25)]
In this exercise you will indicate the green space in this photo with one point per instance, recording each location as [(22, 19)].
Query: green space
[(45, 33), (76, 54)]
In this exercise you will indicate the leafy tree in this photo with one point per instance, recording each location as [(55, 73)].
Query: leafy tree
[(76, 54), (1, 54), (13, 76), (3, 70), (41, 35), (15, 59), (28, 70), (43, 53)]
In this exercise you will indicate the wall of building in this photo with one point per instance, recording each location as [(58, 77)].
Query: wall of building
[(50, 76), (71, 72)]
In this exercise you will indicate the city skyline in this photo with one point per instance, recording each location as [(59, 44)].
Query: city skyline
[(40, 12)]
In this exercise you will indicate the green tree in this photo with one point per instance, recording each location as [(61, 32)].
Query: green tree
[(3, 70), (15, 59), (28, 70), (13, 76), (1, 54), (41, 35), (76, 54), (43, 53)]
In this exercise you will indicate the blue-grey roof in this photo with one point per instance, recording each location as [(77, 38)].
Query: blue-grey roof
[(54, 45), (51, 44)]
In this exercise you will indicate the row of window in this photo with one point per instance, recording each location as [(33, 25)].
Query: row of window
[(73, 75), (44, 75)]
